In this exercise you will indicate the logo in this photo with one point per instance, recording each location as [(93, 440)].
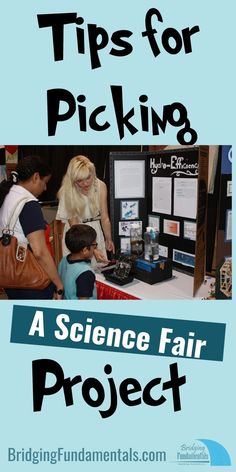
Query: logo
[(203, 452)]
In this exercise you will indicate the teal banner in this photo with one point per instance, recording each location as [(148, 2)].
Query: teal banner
[(118, 333)]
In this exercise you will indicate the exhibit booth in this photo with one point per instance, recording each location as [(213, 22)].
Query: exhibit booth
[(184, 194)]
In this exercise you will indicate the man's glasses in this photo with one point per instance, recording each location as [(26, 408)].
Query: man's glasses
[(95, 245)]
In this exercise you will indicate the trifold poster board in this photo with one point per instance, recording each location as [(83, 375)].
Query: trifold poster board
[(224, 221), (167, 190), (223, 246)]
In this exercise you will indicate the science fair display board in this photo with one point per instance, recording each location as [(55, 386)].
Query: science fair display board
[(223, 247), (224, 222), (166, 190)]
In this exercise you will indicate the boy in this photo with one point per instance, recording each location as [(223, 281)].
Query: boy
[(75, 269)]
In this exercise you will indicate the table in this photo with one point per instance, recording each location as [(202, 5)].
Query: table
[(179, 287)]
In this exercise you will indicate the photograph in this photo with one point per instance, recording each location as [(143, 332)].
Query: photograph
[(154, 221), (69, 221), (171, 227), (125, 227), (190, 230), (129, 210)]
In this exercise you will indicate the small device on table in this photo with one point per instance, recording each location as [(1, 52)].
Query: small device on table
[(152, 272)]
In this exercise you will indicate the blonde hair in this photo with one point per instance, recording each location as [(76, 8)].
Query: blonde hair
[(79, 168)]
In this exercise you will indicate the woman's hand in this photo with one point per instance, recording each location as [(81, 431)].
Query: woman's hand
[(100, 257), (110, 245)]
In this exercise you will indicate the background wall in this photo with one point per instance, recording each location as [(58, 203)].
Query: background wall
[(58, 158)]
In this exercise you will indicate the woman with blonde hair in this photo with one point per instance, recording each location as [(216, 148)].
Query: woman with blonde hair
[(83, 199)]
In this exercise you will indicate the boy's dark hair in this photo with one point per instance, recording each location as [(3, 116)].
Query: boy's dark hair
[(80, 236)]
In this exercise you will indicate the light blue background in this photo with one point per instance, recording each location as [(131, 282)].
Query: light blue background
[(204, 82), (207, 398)]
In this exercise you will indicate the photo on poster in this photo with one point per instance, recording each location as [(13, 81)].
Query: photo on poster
[(154, 222), (161, 195), (129, 178), (228, 226), (185, 197), (190, 228), (163, 251), (171, 227), (183, 258), (229, 188), (124, 227), (125, 245), (129, 209)]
